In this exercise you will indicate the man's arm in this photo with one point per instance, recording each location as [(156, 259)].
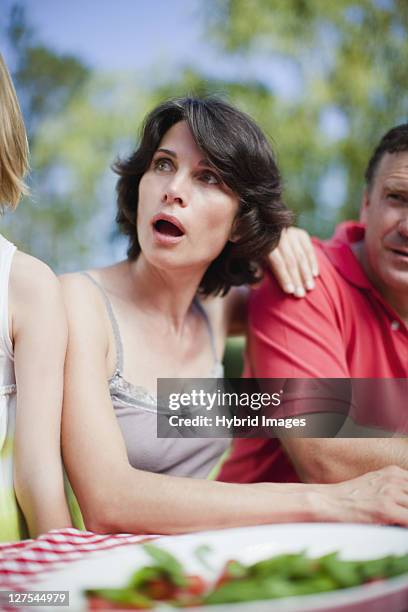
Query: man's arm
[(305, 339), (329, 460)]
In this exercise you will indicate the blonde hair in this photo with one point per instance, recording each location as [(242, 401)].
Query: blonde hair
[(13, 144)]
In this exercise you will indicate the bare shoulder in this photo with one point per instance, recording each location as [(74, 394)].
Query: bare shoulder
[(32, 279), (35, 298), (31, 274), (78, 288), (82, 298), (86, 310)]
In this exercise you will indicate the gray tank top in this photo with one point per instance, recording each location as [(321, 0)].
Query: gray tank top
[(136, 410)]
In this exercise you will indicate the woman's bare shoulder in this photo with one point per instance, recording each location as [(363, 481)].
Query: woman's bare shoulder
[(83, 301), (33, 288), (29, 274), (86, 308), (107, 277), (35, 297)]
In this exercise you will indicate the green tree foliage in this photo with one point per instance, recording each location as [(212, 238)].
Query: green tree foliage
[(78, 121), (344, 61), (47, 81), (350, 62), (351, 58)]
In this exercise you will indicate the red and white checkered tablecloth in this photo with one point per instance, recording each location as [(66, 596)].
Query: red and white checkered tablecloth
[(23, 563)]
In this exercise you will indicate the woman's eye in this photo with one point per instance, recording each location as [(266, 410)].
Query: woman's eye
[(210, 178), (163, 165)]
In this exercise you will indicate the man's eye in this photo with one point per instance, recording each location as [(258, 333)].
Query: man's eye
[(399, 197), (163, 165)]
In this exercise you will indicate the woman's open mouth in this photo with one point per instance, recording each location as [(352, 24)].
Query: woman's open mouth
[(167, 229)]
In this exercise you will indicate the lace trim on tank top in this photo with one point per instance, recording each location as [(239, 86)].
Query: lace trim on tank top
[(138, 396), (7, 390)]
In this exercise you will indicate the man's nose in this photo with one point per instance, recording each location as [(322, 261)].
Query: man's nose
[(176, 191), (403, 224)]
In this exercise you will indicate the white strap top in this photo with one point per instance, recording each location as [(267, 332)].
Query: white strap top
[(7, 378), (7, 250), (11, 522)]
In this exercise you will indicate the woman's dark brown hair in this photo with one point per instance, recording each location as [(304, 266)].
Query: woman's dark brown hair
[(238, 149)]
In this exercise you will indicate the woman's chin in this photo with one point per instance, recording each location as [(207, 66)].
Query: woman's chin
[(171, 262)]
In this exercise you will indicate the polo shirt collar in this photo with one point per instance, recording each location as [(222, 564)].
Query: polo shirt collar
[(339, 251)]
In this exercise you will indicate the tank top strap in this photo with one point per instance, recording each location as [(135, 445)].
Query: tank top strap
[(114, 323), (7, 250), (201, 309)]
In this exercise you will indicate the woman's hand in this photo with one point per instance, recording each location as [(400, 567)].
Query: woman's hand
[(375, 497), (294, 263)]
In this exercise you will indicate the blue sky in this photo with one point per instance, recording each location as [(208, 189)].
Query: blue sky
[(125, 34), (155, 39), (147, 37), (152, 39)]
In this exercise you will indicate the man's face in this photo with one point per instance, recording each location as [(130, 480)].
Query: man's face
[(385, 213)]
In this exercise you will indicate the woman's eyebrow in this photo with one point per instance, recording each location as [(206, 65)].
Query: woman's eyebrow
[(167, 151)]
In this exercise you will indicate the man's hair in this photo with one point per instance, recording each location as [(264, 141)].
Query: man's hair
[(13, 144), (394, 141), (238, 149)]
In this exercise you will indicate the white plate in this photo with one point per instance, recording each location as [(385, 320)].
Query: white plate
[(250, 544)]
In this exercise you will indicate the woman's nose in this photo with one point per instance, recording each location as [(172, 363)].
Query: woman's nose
[(176, 191), (170, 197)]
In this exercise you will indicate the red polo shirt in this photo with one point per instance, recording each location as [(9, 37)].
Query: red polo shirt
[(343, 328)]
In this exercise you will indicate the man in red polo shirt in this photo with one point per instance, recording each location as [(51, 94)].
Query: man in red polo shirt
[(353, 325)]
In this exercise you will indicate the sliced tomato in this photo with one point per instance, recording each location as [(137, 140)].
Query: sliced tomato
[(160, 589), (195, 585)]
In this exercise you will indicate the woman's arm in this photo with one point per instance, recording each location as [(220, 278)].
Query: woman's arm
[(39, 333), (294, 262), (115, 497)]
